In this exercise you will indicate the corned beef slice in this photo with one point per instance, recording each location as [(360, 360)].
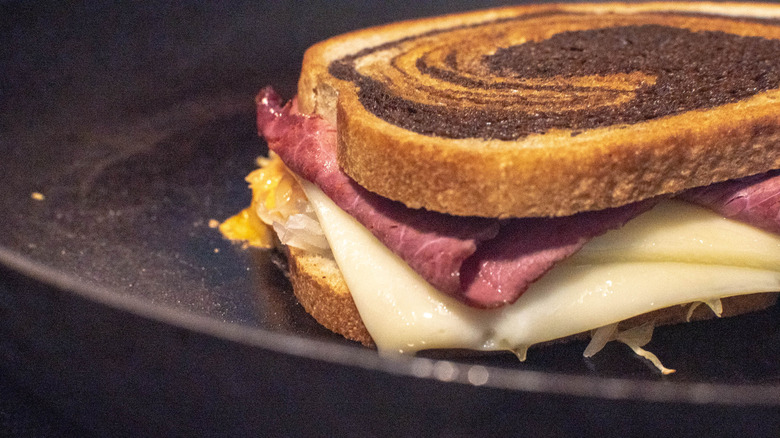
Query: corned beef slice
[(483, 262), (754, 200), (527, 248)]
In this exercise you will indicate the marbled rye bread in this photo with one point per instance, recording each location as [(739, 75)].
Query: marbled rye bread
[(549, 110)]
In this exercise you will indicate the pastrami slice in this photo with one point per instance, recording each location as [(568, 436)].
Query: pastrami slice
[(525, 249), (754, 200)]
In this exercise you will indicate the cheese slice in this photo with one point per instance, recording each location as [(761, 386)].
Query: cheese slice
[(682, 232), (674, 254)]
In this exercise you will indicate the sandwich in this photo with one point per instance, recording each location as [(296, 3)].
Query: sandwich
[(506, 178)]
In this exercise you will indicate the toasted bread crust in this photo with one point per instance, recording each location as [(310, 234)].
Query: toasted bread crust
[(320, 288), (552, 174)]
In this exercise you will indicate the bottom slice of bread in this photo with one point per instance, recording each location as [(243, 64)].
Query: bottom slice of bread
[(320, 288)]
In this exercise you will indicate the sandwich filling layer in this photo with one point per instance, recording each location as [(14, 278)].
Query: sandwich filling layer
[(674, 254)]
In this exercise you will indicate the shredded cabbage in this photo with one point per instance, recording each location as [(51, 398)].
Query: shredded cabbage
[(302, 231), (279, 201), (635, 338), (715, 305), (599, 338)]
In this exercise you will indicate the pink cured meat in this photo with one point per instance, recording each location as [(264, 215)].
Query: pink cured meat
[(754, 200), (433, 244), (482, 262), (527, 248)]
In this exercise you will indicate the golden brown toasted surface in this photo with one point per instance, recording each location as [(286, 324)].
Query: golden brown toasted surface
[(320, 288), (503, 113)]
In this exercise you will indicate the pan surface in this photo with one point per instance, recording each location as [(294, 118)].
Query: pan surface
[(127, 128)]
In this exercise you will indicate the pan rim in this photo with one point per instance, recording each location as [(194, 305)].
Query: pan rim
[(531, 381)]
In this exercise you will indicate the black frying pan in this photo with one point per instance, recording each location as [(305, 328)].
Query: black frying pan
[(128, 313)]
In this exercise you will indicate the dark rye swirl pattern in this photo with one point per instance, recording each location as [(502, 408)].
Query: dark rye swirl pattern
[(510, 78)]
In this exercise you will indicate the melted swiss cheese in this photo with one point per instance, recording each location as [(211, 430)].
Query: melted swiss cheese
[(674, 254)]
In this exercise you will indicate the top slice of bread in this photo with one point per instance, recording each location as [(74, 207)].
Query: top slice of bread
[(555, 171)]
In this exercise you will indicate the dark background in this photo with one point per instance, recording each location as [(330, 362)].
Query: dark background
[(122, 312)]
